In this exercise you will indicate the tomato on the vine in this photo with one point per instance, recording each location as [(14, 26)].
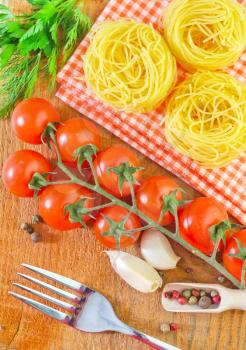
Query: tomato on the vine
[(116, 213), (74, 133), (113, 157), (149, 198), (30, 118), (19, 169), (234, 264), (55, 198), (196, 219)]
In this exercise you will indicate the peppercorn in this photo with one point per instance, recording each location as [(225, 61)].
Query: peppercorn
[(188, 270), (205, 302), (173, 327), (186, 293), (195, 293), (165, 327), (35, 237), (36, 219), (193, 300), (202, 293), (26, 227), (216, 299), (182, 300), (213, 293), (168, 295), (175, 294), (221, 279)]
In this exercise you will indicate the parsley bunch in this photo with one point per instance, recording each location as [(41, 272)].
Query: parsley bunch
[(31, 43)]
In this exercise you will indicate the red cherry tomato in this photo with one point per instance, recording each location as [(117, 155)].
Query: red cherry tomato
[(30, 118), (19, 169), (112, 157), (53, 200), (74, 133), (232, 264), (149, 197), (197, 218), (116, 213)]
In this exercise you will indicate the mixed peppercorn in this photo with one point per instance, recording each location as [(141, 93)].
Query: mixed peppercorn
[(204, 299)]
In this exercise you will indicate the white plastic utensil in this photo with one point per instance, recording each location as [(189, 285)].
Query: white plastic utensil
[(230, 298)]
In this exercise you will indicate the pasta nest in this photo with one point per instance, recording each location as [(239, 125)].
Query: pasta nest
[(206, 118), (205, 34), (129, 66)]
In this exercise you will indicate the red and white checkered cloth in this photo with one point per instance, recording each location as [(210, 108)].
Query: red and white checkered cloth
[(227, 185)]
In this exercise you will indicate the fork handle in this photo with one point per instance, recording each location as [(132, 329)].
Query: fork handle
[(153, 342)]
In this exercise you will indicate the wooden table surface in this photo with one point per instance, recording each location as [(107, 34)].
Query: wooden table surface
[(78, 255)]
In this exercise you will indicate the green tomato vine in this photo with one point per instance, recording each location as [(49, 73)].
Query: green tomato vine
[(125, 173)]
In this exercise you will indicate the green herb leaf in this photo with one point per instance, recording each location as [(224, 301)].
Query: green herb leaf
[(37, 3), (5, 13), (29, 44), (6, 53)]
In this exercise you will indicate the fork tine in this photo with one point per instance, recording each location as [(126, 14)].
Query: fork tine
[(68, 282), (69, 307), (58, 315), (54, 289)]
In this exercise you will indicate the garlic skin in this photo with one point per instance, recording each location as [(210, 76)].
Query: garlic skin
[(135, 271), (157, 251)]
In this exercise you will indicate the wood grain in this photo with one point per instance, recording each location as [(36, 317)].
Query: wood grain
[(78, 255)]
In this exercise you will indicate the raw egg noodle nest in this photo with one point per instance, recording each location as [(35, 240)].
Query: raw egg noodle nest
[(206, 118), (205, 34), (129, 66)]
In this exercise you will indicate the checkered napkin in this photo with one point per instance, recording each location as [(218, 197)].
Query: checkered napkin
[(142, 131)]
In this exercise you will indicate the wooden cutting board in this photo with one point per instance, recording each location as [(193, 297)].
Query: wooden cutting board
[(78, 255)]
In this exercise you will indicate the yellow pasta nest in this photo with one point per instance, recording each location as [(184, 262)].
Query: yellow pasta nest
[(129, 66), (205, 34), (206, 118)]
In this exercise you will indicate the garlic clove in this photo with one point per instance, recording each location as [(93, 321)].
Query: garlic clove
[(135, 271), (157, 251)]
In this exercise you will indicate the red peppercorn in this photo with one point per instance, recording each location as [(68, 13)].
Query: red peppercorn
[(173, 327), (168, 295), (182, 300), (216, 299), (175, 294), (195, 293)]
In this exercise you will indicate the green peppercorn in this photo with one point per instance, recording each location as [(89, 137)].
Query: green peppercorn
[(36, 219), (202, 293), (213, 293), (165, 327), (186, 293), (192, 300)]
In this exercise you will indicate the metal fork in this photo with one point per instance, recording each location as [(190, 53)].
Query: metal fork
[(88, 311)]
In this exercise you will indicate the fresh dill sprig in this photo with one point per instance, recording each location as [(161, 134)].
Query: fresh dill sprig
[(31, 43)]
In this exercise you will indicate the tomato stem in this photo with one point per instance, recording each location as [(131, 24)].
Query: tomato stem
[(243, 275), (216, 247), (150, 223)]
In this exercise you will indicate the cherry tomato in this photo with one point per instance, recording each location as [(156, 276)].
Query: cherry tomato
[(232, 264), (30, 118), (74, 133), (19, 169), (112, 157), (149, 197), (197, 218), (116, 213), (53, 200)]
